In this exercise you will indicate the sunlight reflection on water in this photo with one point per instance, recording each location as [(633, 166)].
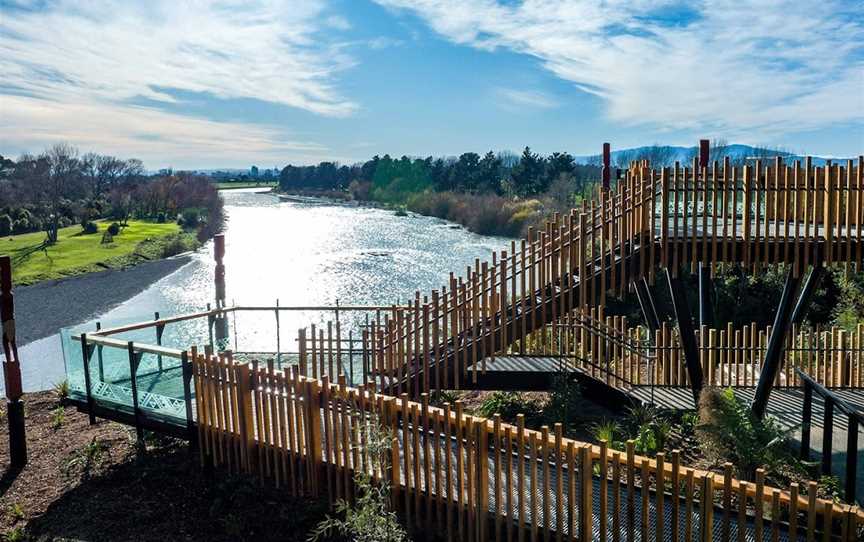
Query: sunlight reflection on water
[(300, 254)]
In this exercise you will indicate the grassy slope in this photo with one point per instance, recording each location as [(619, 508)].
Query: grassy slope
[(76, 253)]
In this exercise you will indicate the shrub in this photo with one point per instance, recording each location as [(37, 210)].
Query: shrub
[(189, 218), (508, 404), (728, 431), (15, 534), (439, 398), (21, 225), (16, 512), (107, 238), (5, 225), (160, 218), (610, 431), (58, 416), (646, 440), (370, 518), (114, 228), (564, 399), (86, 459), (89, 227), (61, 388), (174, 245)]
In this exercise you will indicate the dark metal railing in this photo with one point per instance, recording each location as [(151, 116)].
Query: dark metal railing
[(854, 418)]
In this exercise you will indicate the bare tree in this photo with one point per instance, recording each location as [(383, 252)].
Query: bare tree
[(64, 170)]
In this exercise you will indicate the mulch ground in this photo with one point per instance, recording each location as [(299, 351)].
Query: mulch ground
[(90, 483)]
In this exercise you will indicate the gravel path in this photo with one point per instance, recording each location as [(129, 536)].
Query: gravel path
[(42, 309)]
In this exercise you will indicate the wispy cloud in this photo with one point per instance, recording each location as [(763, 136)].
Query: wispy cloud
[(64, 58), (738, 68), (518, 99), (157, 137)]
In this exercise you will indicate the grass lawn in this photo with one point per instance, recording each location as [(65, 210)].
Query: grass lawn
[(76, 253), (243, 184)]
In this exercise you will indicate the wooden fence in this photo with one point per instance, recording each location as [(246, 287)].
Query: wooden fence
[(471, 478), (833, 357), (758, 215)]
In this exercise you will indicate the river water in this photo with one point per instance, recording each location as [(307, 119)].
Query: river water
[(301, 254)]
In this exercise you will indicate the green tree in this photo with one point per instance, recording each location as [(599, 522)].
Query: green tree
[(526, 177)]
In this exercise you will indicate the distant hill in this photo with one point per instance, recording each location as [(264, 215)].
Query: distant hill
[(671, 153)]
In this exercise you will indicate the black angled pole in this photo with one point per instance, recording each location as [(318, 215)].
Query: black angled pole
[(686, 334), (774, 353), (803, 305)]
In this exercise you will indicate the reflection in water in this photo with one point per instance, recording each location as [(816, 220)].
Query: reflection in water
[(299, 253)]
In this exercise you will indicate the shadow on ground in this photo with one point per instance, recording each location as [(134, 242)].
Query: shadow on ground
[(164, 495)]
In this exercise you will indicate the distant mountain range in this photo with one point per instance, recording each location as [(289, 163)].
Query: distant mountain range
[(671, 153)]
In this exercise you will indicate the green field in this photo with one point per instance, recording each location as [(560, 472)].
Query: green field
[(76, 253), (245, 184)]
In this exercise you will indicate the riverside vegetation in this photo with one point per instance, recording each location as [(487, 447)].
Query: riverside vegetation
[(63, 213)]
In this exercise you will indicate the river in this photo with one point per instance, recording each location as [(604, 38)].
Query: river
[(310, 253)]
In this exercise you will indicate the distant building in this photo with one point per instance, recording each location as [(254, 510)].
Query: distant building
[(167, 172), (253, 172)]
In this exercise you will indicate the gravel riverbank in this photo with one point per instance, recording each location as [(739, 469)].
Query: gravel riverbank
[(42, 309)]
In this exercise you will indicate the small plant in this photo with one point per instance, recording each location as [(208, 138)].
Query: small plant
[(607, 430), (61, 388), (689, 421), (16, 512), (15, 534), (563, 399), (829, 488), (86, 459), (646, 440), (641, 415), (114, 228), (662, 429), (439, 398), (508, 404), (89, 227), (58, 416), (728, 431), (107, 238), (370, 519)]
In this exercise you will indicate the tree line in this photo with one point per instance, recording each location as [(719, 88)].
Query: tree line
[(387, 179), (60, 187)]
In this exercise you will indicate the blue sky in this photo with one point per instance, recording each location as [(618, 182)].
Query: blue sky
[(227, 84)]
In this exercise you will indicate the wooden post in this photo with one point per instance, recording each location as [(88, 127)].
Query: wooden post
[(607, 159), (12, 369), (220, 321)]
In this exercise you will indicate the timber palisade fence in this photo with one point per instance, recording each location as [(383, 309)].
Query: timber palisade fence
[(471, 478), (755, 216), (833, 356)]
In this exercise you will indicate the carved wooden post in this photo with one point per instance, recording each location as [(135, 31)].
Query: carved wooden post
[(607, 159), (220, 321), (12, 369)]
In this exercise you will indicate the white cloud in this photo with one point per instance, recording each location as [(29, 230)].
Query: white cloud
[(734, 68), (516, 99), (158, 138), (89, 59)]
